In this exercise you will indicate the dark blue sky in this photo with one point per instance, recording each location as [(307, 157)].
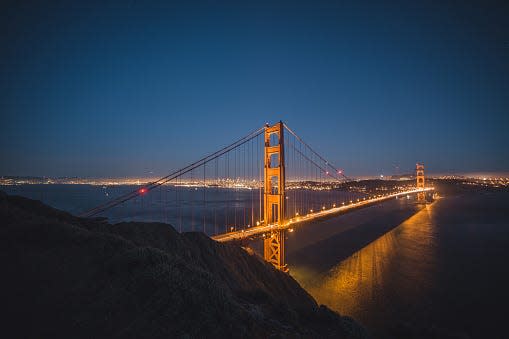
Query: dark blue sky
[(121, 89)]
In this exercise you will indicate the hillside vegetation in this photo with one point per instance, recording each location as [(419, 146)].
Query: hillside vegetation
[(69, 277)]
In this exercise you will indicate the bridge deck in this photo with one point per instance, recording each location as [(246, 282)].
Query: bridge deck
[(252, 231)]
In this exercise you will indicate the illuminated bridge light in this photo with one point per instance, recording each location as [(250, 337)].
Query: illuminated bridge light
[(142, 190)]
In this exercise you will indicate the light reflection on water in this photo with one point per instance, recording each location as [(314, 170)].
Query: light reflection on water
[(396, 264), (440, 273)]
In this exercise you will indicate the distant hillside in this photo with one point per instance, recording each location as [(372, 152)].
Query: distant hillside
[(68, 277)]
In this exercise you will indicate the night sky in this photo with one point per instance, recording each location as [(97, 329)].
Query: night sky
[(125, 89)]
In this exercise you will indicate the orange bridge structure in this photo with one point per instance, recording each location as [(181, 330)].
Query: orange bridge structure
[(262, 185)]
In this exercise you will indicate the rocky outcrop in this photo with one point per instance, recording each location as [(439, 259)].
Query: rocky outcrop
[(69, 277)]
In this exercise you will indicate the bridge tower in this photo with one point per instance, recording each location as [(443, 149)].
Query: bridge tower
[(419, 173), (274, 195)]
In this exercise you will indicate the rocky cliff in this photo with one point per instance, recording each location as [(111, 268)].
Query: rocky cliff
[(69, 277)]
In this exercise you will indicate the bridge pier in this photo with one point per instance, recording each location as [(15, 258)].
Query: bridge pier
[(274, 250)]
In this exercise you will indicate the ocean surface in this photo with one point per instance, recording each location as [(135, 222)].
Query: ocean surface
[(211, 210), (402, 269), (437, 271)]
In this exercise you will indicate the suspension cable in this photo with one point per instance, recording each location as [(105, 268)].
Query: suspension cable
[(316, 153), (151, 185)]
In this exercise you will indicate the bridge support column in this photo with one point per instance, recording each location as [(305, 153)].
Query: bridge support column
[(274, 250), (274, 195), (419, 173)]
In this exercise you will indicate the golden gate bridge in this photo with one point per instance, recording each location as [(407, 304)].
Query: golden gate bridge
[(261, 185)]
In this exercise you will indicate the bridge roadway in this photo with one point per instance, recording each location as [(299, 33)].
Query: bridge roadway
[(252, 231)]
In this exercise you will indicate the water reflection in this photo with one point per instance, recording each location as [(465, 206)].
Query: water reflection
[(397, 265)]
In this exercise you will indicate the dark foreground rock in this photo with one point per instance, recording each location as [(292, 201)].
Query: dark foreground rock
[(63, 276)]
